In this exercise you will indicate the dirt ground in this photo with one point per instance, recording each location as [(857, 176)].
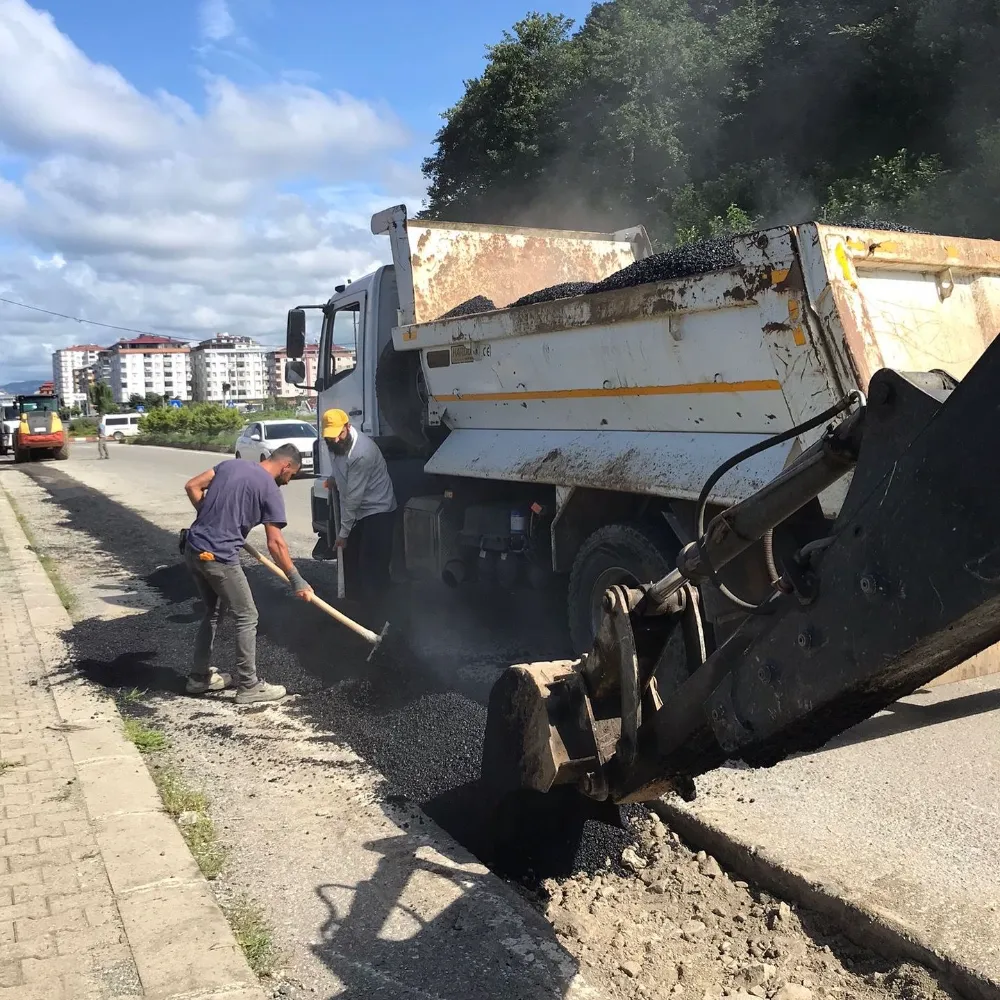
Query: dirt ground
[(679, 925), (287, 790)]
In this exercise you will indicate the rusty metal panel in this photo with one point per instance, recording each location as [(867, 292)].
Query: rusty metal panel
[(908, 301), (654, 463), (451, 263)]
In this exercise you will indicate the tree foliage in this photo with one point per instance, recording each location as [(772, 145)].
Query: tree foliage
[(698, 116), (102, 398), (200, 419)]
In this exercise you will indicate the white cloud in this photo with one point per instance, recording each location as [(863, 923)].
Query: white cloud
[(139, 211), (215, 20)]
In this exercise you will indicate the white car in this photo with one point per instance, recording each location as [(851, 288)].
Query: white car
[(259, 439)]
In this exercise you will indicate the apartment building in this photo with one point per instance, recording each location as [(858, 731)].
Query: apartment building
[(99, 371), (145, 364), (229, 368), (66, 362)]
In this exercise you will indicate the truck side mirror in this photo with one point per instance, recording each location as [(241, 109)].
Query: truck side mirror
[(295, 334), (295, 371)]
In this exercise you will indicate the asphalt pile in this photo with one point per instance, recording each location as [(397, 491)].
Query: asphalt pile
[(429, 750), (565, 290), (477, 304), (880, 224), (701, 257)]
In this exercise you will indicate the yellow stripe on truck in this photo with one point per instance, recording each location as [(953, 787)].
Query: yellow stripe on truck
[(691, 388)]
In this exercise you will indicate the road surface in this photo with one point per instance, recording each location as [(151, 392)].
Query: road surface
[(900, 813)]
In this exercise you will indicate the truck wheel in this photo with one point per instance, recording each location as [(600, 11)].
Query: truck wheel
[(20, 455), (61, 454), (615, 554)]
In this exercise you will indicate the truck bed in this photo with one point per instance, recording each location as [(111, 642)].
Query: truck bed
[(647, 388)]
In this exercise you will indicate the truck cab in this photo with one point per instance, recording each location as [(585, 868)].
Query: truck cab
[(357, 324)]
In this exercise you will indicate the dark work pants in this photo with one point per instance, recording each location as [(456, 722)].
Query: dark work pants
[(368, 557), (224, 588)]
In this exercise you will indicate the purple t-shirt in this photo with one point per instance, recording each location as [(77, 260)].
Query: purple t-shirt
[(242, 495)]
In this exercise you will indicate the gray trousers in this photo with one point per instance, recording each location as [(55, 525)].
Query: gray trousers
[(102, 448), (224, 588)]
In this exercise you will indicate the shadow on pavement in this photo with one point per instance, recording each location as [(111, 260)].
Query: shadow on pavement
[(387, 935), (422, 728)]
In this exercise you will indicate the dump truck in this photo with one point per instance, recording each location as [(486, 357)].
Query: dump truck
[(593, 436), (40, 430)]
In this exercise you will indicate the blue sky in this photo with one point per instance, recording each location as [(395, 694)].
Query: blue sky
[(413, 56), (190, 167)]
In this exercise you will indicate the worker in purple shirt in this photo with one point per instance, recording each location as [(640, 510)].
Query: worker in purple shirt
[(232, 498)]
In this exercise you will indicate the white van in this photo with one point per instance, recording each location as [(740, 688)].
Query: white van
[(119, 425)]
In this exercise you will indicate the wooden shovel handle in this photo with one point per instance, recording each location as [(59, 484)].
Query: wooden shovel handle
[(319, 602)]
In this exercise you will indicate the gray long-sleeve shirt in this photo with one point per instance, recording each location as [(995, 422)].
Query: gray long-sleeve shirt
[(362, 481)]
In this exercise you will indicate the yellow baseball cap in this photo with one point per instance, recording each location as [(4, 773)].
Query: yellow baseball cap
[(334, 421)]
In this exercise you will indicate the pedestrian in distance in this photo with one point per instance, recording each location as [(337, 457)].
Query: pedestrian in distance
[(367, 506), (102, 444), (231, 498)]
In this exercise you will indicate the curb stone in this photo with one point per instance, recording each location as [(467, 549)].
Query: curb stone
[(180, 940)]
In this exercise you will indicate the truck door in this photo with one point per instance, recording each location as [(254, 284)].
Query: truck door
[(342, 366)]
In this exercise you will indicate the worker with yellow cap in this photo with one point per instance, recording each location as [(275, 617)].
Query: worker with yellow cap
[(367, 506)]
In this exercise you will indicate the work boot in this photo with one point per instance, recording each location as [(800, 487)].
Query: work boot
[(260, 692), (213, 682)]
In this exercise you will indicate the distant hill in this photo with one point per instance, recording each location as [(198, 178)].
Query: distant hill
[(25, 386)]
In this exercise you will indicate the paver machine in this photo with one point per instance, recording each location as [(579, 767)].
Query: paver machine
[(40, 430), (902, 586)]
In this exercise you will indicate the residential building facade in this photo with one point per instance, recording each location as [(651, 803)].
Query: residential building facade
[(66, 362), (99, 371), (145, 364), (227, 368)]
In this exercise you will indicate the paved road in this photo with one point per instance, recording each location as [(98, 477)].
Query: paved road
[(464, 638), (900, 813)]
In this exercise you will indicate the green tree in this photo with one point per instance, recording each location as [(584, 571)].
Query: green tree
[(670, 112), (506, 128), (102, 399)]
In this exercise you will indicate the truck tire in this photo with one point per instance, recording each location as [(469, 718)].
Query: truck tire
[(615, 554), (61, 454), (20, 454), (399, 387)]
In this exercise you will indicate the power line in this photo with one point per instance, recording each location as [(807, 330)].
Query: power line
[(76, 319)]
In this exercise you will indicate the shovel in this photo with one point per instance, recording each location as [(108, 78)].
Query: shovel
[(387, 648)]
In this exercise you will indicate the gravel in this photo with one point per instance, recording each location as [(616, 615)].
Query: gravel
[(563, 291), (477, 304), (879, 225), (685, 927), (701, 257)]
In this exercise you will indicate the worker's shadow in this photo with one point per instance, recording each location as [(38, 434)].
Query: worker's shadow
[(423, 924)]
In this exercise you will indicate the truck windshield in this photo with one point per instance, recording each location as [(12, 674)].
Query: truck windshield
[(10, 413)]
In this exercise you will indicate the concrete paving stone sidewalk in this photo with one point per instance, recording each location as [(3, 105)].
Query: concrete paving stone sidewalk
[(99, 895)]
